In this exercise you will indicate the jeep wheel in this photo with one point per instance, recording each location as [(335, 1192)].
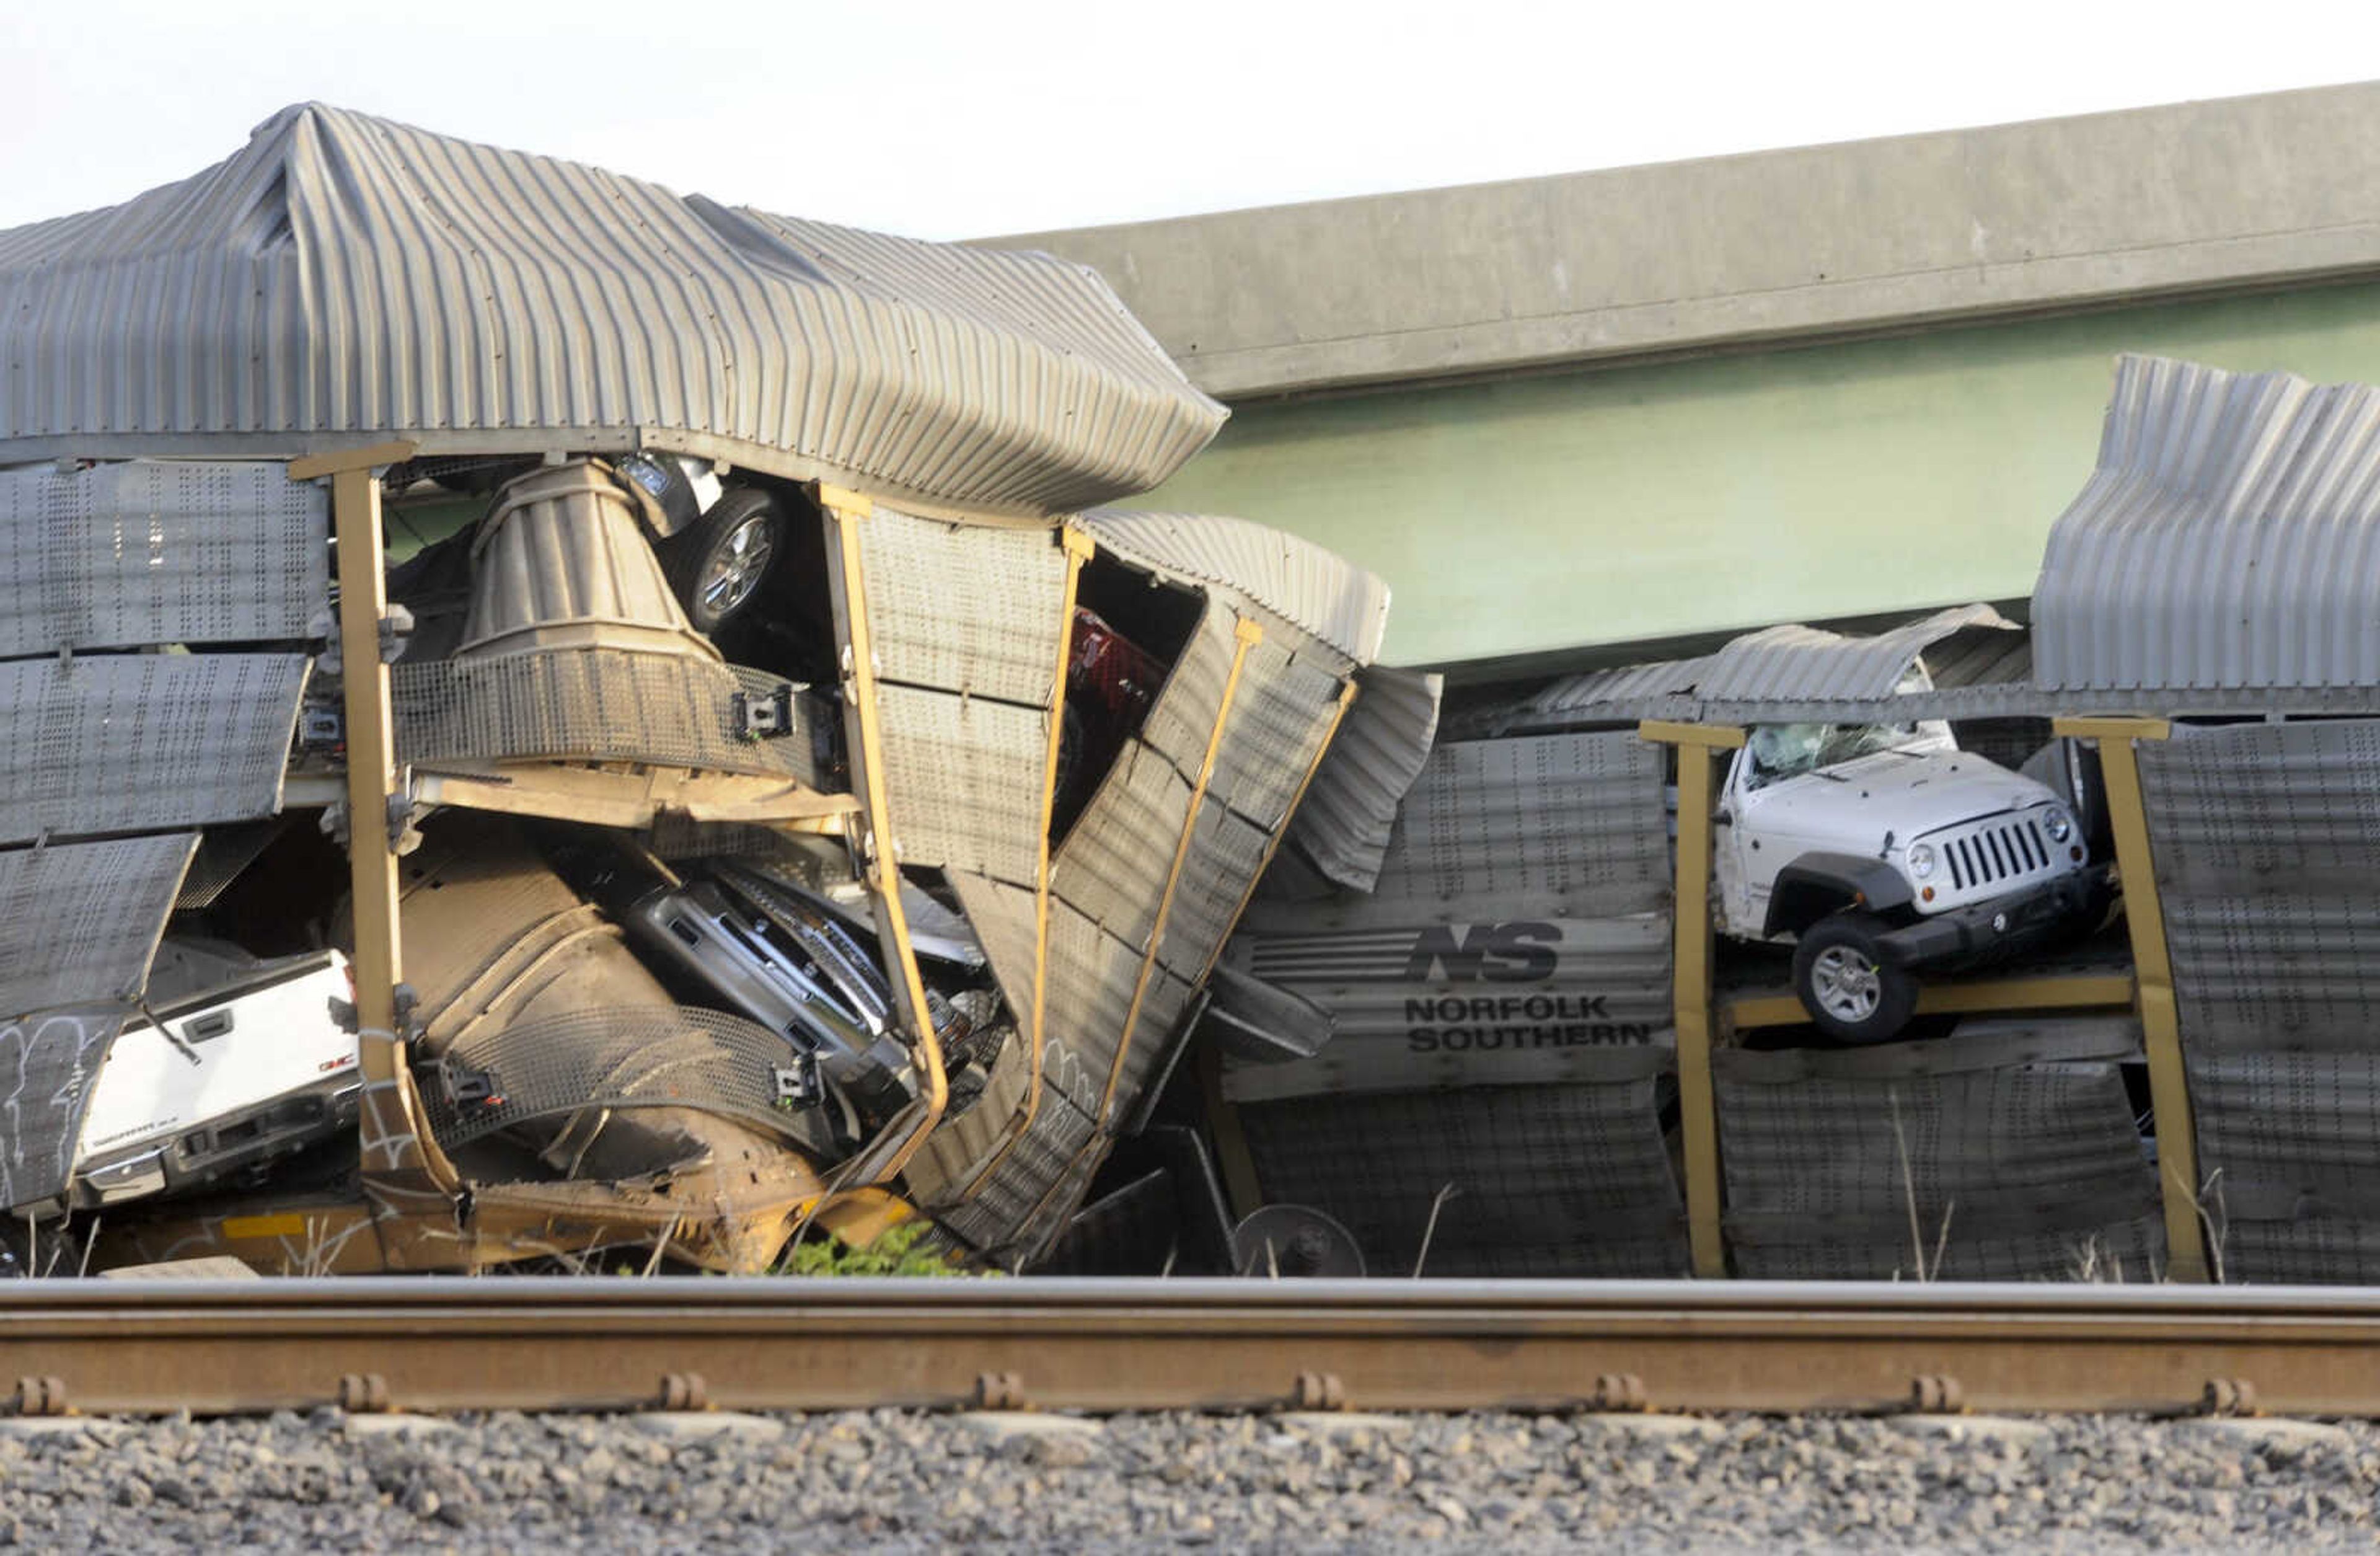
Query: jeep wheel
[(1843, 979)]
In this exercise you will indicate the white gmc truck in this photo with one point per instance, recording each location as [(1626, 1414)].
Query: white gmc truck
[(1882, 851)]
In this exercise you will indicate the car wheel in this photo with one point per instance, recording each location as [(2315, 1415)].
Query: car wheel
[(716, 564), (1851, 989)]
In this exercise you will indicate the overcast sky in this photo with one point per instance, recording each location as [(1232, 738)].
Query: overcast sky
[(947, 120)]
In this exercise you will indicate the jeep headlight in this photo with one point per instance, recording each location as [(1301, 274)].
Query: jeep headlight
[(1920, 861), (2058, 824)]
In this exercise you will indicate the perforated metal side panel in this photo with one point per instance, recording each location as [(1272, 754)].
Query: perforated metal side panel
[(1113, 864), (1279, 718), (600, 704), (152, 552), (966, 621), (1569, 825), (2289, 1151), (141, 742), (1569, 1179), (47, 1063), (2020, 1139), (79, 921), (964, 777), (2267, 845), (657, 1056), (964, 608)]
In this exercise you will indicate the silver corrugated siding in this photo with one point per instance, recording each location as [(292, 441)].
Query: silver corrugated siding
[(343, 278), (1342, 826), (1312, 589), (2229, 537)]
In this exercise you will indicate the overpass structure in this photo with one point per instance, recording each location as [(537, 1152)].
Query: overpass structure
[(1579, 412)]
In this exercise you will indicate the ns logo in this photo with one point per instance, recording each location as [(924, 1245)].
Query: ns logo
[(1514, 952)]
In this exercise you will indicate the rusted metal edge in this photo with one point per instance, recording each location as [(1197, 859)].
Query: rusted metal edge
[(446, 1344)]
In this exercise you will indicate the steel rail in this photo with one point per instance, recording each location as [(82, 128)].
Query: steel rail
[(448, 1344)]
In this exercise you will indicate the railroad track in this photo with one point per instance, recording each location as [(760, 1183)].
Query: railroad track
[(444, 1344)]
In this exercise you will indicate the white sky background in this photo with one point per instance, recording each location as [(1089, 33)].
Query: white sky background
[(947, 120)]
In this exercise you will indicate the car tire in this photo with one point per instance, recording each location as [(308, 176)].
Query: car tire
[(1851, 989), (716, 564)]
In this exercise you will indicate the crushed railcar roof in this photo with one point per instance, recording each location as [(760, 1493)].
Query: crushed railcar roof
[(345, 279)]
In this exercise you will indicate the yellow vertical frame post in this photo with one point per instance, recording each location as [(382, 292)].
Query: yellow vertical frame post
[(1698, 749), (1078, 548), (1245, 635), (880, 845), (2119, 738), (404, 1170)]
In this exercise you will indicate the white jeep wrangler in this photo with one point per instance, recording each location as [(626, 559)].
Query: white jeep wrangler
[(1881, 850)]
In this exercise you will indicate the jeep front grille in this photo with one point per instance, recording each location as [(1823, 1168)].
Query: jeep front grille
[(1996, 851)]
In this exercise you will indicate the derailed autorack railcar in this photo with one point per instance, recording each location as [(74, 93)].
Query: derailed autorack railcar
[(759, 784)]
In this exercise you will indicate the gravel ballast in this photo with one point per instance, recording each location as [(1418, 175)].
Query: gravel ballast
[(894, 1479)]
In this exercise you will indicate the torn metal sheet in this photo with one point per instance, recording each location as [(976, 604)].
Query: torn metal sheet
[(79, 921), (343, 278), (2015, 1140), (1572, 1178), (1342, 826), (48, 1061), (122, 556), (143, 742)]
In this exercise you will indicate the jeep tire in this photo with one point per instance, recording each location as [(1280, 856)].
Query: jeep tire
[(1851, 989)]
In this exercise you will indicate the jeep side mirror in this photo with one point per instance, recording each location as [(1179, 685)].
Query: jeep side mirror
[(1723, 817)]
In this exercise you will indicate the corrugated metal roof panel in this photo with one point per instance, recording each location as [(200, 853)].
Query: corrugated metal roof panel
[(1626, 692), (2229, 537), (1978, 661), (1807, 663), (79, 921), (346, 278), (121, 555), (141, 742), (1328, 597)]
